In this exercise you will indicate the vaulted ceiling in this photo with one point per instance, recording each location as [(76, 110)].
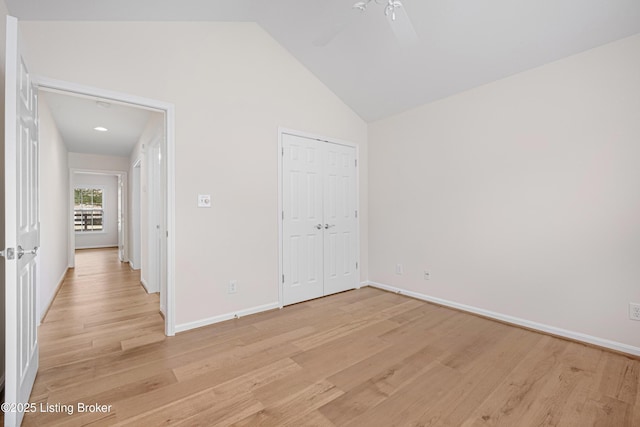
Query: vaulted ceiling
[(460, 44)]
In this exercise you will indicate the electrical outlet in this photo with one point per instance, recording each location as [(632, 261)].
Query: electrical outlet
[(204, 201), (427, 275), (634, 311), (233, 287), (399, 269)]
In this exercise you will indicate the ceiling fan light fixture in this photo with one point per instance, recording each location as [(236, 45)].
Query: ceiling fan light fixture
[(361, 5), (389, 8)]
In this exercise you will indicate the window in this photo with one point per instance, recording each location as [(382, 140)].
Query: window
[(88, 212)]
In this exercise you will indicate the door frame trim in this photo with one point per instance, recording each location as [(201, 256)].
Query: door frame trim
[(286, 131), (169, 120), (121, 175)]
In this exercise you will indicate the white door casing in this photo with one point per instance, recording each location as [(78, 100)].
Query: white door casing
[(22, 227), (167, 142), (319, 220)]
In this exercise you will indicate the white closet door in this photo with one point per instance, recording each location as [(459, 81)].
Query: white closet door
[(339, 218), (302, 219)]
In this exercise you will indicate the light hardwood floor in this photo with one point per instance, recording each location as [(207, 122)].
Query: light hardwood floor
[(360, 358)]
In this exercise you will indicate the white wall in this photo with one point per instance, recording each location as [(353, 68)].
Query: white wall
[(54, 208), (109, 236), (98, 163), (520, 197), (232, 86)]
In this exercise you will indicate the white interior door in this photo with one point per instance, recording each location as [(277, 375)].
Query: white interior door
[(22, 227), (154, 222), (135, 213), (302, 219), (319, 226), (339, 218)]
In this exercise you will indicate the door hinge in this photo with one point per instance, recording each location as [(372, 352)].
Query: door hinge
[(356, 162), (9, 253), (282, 214), (356, 214), (356, 265), (167, 233), (282, 151), (283, 278)]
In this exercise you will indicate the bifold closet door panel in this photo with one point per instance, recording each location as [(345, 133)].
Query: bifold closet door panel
[(303, 226), (340, 243)]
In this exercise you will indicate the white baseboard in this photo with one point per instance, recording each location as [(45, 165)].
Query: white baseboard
[(577, 336), (144, 285), (53, 295), (96, 246), (228, 316)]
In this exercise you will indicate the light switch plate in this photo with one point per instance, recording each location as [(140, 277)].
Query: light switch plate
[(204, 201)]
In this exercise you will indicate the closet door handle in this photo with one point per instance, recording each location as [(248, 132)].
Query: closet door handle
[(319, 226), (327, 226)]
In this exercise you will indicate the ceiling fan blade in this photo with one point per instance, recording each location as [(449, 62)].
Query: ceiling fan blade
[(402, 27)]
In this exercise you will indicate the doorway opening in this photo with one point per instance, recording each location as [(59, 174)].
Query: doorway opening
[(98, 202), (134, 213)]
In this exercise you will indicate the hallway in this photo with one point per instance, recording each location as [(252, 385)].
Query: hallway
[(100, 315)]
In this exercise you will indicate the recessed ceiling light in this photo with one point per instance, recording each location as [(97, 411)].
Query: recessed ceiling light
[(100, 129)]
